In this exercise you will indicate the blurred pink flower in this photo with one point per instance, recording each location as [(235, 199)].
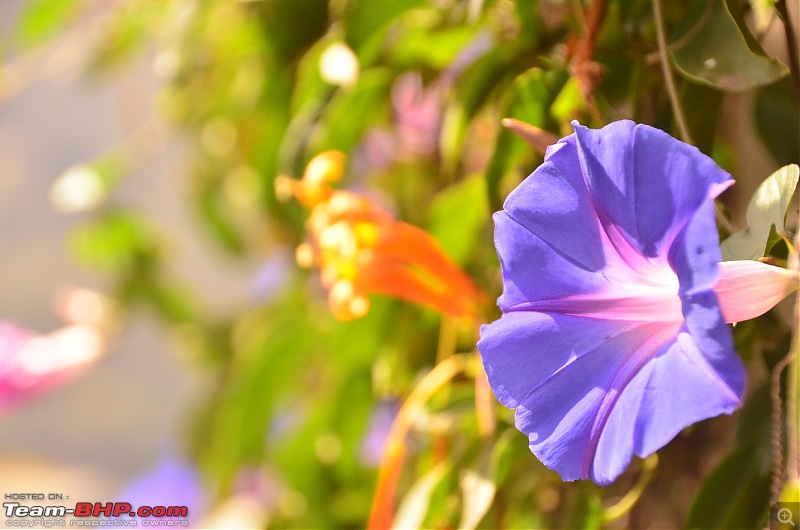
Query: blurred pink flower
[(31, 364), (417, 114)]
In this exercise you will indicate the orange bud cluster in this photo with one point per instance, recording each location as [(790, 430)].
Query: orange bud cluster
[(361, 249)]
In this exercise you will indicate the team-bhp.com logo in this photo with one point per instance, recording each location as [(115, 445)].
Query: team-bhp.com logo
[(96, 514)]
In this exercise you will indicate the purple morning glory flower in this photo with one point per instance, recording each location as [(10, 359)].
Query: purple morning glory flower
[(171, 483), (380, 423), (612, 339)]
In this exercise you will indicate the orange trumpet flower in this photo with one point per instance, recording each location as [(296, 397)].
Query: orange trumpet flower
[(360, 249)]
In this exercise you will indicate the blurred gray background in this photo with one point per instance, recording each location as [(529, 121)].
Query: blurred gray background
[(95, 433)]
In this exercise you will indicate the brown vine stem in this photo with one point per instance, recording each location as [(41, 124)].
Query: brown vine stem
[(791, 44), (777, 429), (669, 80), (584, 48), (587, 72)]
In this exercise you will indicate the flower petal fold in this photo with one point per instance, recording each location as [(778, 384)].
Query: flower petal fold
[(685, 387), (557, 276), (536, 345), (647, 183), (557, 207), (580, 421)]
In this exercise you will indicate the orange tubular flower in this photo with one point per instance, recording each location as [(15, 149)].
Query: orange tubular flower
[(360, 249)]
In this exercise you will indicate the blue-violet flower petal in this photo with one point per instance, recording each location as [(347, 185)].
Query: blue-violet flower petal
[(611, 339)]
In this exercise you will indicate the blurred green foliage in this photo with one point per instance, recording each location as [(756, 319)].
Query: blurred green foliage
[(294, 389)]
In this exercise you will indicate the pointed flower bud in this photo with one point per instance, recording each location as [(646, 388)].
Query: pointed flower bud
[(747, 289)]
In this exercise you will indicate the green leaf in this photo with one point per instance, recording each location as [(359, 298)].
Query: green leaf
[(292, 26), (217, 218), (528, 100), (457, 215), (476, 84), (570, 103), (111, 243), (584, 508), (735, 494), (365, 18), (731, 493), (43, 18), (704, 103), (767, 208), (425, 46), (338, 128), (715, 53), (266, 362), (776, 111)]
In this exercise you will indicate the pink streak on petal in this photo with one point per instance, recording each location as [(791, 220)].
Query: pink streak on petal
[(747, 289), (639, 289), (630, 303)]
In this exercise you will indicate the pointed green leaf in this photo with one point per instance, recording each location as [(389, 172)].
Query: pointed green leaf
[(526, 100), (714, 52), (767, 208), (457, 215)]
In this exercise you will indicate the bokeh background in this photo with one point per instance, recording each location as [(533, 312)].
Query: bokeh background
[(139, 145)]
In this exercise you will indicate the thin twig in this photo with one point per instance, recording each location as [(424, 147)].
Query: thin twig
[(484, 404), (791, 43), (655, 57), (793, 392), (583, 66), (593, 19), (683, 129)]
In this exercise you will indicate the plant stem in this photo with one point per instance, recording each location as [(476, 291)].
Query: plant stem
[(382, 511), (793, 391), (612, 513), (663, 52), (778, 470), (791, 44)]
